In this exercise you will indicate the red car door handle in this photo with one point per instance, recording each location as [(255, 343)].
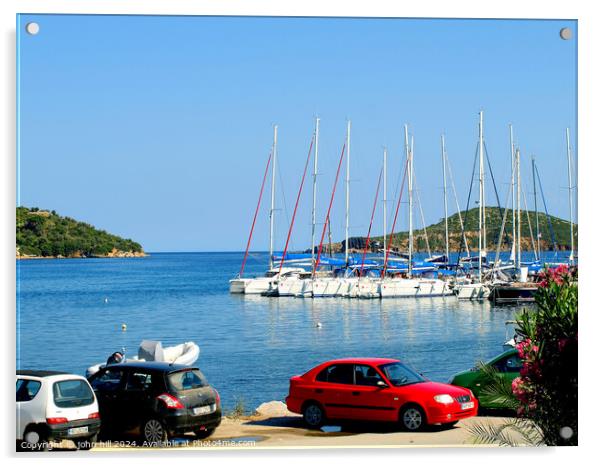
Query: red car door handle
[(355, 393)]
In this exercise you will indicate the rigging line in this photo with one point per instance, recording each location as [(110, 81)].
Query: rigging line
[(537, 232), (256, 258), (463, 223), (244, 261), (543, 198), (528, 219), (290, 230), (451, 176), (329, 239), (394, 220), (503, 231), (499, 239), (426, 236), (399, 175), (327, 222), (371, 220), (283, 193)]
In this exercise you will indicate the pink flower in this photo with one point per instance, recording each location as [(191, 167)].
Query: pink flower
[(562, 268), (518, 389), (516, 383), (522, 346)]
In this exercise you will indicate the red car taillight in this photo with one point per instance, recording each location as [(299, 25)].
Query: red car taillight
[(171, 402), (56, 420), (94, 416)]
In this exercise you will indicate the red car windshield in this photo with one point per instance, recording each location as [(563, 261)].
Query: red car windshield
[(400, 375)]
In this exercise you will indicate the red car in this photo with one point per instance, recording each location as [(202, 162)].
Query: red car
[(376, 389)]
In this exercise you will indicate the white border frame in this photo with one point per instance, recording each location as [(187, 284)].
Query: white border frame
[(590, 33)]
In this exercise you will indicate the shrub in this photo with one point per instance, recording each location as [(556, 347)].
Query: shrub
[(547, 386), (544, 396)]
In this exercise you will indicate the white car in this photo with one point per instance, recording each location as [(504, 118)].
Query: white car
[(53, 406)]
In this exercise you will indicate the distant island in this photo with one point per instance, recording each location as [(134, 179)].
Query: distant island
[(45, 234), (560, 230)]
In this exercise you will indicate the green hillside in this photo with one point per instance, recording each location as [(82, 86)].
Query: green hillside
[(42, 233), (436, 232)]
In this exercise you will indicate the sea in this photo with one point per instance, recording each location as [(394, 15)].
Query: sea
[(71, 314)]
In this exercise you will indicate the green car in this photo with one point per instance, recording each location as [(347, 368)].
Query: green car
[(508, 364)]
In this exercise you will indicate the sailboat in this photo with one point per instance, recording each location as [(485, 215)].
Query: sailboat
[(398, 281), (293, 284), (260, 285), (469, 288), (335, 283), (521, 290), (367, 285)]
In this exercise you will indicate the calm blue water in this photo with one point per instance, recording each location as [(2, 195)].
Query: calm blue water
[(250, 346)]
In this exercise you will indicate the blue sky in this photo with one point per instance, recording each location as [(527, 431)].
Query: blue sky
[(158, 128)]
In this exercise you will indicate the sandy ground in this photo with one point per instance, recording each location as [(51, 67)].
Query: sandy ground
[(273, 426)]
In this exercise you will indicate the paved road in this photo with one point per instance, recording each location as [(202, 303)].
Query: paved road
[(289, 431)]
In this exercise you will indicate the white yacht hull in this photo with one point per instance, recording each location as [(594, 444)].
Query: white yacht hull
[(369, 288), (472, 291), (294, 286), (237, 285), (259, 285), (413, 288), (327, 287)]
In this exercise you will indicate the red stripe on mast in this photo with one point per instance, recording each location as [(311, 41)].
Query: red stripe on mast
[(371, 220), (334, 188), (244, 261), (290, 229), (405, 172)]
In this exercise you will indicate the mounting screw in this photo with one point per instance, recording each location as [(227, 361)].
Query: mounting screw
[(32, 28), (566, 33)]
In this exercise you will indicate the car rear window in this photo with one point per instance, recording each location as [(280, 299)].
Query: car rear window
[(72, 393), (27, 389), (187, 380), (339, 373), (107, 380)]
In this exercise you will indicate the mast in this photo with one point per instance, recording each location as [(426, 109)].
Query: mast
[(313, 210), (384, 202), (518, 220), (484, 201), (513, 159), (274, 152), (409, 157), (445, 196), (481, 195), (568, 155), (347, 197), (538, 251)]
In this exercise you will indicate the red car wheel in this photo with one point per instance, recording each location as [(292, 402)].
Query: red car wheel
[(412, 418), (313, 415)]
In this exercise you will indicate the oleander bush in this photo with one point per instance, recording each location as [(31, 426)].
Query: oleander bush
[(544, 396)]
